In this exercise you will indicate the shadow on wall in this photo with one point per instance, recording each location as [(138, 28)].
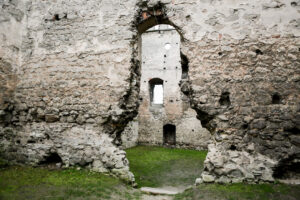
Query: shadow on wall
[(288, 168), (52, 158)]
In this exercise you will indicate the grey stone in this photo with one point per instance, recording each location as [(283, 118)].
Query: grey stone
[(259, 123), (222, 117), (51, 118), (198, 181), (295, 139), (203, 99), (207, 178)]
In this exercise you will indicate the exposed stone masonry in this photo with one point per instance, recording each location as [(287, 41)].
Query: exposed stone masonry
[(252, 122), (70, 75), (159, 63)]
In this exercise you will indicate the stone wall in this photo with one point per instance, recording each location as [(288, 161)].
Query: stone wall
[(262, 116), (11, 20), (78, 74), (76, 89), (165, 64)]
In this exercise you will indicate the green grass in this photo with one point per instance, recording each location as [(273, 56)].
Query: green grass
[(3, 163), (152, 166), (241, 191), (40, 183), (157, 166)]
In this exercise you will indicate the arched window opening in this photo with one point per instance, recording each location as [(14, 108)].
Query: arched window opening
[(151, 17), (156, 91), (169, 134)]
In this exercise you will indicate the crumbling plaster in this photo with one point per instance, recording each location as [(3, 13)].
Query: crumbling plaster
[(77, 68)]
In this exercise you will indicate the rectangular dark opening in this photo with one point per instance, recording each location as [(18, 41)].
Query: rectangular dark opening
[(169, 134)]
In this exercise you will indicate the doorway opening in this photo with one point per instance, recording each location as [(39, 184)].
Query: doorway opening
[(169, 134)]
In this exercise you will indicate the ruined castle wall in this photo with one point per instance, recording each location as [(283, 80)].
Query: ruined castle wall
[(11, 30), (13, 21), (76, 69), (159, 61), (244, 74), (77, 79)]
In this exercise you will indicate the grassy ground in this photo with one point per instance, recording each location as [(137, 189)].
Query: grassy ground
[(241, 191), (152, 166), (157, 166), (38, 183), (3, 163)]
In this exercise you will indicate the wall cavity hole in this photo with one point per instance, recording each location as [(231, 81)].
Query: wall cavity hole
[(293, 130), (288, 168), (56, 17), (258, 52), (225, 99), (232, 147), (220, 53), (52, 158), (18, 141), (293, 3), (276, 99), (245, 126), (31, 142)]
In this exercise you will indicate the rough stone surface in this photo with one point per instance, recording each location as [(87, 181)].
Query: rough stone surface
[(76, 145), (71, 69), (225, 166), (130, 134), (159, 62)]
